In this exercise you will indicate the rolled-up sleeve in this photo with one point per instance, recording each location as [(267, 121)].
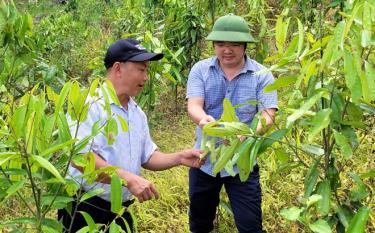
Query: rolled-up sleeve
[(149, 145), (269, 99), (195, 84)]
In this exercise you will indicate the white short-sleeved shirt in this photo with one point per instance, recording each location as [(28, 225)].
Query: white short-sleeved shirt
[(130, 149)]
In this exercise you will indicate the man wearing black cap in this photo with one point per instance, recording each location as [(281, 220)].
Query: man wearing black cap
[(126, 62)]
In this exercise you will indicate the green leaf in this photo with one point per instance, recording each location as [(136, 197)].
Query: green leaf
[(324, 189), (89, 162), (300, 36), (48, 166), (358, 223), (345, 215), (292, 213), (312, 149), (272, 138), (370, 80), (311, 179), (112, 92), (339, 34), (21, 220), (82, 143), (229, 114), (320, 226), (343, 144), (64, 131), (351, 135), (366, 21), (6, 156), (90, 222), (305, 107), (111, 130), (18, 121), (116, 193), (227, 154), (57, 147), (58, 201), (123, 123), (91, 193), (61, 100), (320, 121), (30, 132), (73, 98), (93, 87), (280, 82), (281, 33), (360, 192), (351, 77), (243, 162), (15, 187), (114, 228), (313, 199), (310, 71), (369, 174)]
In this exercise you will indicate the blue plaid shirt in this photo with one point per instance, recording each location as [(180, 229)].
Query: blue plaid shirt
[(207, 80)]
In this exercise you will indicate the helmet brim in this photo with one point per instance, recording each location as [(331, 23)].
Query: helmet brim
[(230, 36)]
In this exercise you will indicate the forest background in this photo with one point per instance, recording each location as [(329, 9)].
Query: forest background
[(317, 177)]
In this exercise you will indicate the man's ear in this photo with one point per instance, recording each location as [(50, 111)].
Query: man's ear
[(116, 68)]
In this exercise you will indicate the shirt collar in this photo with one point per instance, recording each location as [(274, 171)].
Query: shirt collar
[(248, 66), (131, 103)]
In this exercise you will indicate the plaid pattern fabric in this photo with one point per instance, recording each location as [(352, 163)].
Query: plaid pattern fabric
[(207, 80)]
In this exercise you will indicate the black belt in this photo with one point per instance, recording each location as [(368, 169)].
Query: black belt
[(128, 203)]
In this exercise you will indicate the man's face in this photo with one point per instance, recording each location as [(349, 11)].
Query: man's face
[(230, 54), (133, 77)]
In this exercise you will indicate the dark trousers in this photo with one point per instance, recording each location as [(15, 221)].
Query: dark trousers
[(245, 199), (99, 210)]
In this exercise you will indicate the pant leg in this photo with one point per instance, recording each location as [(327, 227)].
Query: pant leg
[(100, 212), (204, 197), (245, 199)]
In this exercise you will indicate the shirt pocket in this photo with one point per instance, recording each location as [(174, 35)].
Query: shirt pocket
[(247, 111)]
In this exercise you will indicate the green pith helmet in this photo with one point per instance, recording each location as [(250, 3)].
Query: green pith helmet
[(230, 28)]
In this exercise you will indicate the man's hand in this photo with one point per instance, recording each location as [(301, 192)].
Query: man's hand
[(205, 120), (191, 158), (141, 188)]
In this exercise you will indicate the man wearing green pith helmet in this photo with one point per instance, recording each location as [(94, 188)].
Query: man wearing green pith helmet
[(229, 74)]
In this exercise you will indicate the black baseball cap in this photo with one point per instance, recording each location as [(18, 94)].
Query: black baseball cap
[(128, 50)]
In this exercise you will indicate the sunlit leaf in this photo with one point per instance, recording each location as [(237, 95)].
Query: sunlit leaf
[(116, 193), (292, 213), (343, 144), (48, 166), (312, 149), (56, 148), (229, 114), (320, 226), (358, 223), (360, 191), (61, 100), (324, 190), (123, 123), (311, 179), (370, 80), (351, 77), (305, 107), (279, 83), (91, 193), (90, 222), (320, 121)]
